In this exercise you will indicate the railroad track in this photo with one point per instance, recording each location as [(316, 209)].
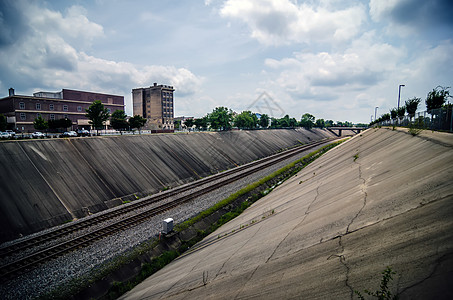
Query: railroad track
[(29, 262)]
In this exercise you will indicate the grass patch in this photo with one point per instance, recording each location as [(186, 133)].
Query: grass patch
[(119, 288), (415, 128)]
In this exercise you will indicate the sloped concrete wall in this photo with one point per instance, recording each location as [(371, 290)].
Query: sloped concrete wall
[(47, 182)]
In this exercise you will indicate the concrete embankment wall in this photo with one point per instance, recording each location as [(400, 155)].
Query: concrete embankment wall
[(47, 182)]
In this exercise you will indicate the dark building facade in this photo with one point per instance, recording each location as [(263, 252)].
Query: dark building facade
[(156, 104), (21, 111)]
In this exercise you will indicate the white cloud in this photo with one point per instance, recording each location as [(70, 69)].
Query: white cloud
[(74, 27), (276, 22), (50, 56), (319, 75), (380, 8)]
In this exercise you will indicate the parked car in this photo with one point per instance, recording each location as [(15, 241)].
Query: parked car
[(84, 132), (11, 133), (4, 135), (69, 133), (37, 134)]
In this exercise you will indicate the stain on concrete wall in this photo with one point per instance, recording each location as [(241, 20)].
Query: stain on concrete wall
[(47, 182)]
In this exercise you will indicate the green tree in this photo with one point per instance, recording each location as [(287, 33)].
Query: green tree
[(361, 125), (118, 120), (189, 123), (201, 123), (437, 97), (97, 114), (293, 122), (320, 123), (60, 123), (177, 124), (284, 122), (264, 121), (412, 105), (385, 117), (329, 123), (3, 123), (220, 118), (65, 123), (245, 119), (241, 120), (393, 112), (275, 123), (137, 122), (401, 111), (40, 124), (307, 121)]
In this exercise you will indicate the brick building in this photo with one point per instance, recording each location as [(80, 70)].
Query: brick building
[(21, 111), (155, 103)]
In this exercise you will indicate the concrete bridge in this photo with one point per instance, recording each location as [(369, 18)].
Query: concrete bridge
[(340, 129)]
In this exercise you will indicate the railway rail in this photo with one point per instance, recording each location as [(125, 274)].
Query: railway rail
[(194, 189)]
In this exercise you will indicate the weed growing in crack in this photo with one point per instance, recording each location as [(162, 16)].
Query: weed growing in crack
[(356, 157), (384, 293), (415, 129)]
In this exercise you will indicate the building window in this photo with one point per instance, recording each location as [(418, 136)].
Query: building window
[(65, 116), (65, 108), (38, 106), (22, 105), (23, 116), (51, 107), (38, 115), (52, 116), (79, 108)]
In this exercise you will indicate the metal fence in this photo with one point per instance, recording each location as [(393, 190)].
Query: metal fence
[(435, 119)]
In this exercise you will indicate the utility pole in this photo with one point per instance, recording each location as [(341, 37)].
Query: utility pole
[(399, 94)]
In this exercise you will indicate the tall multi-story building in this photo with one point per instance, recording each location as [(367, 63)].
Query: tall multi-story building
[(21, 111), (155, 103)]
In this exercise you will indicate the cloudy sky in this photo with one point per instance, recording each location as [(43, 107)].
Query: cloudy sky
[(336, 59)]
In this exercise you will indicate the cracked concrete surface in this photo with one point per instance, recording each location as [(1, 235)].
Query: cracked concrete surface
[(337, 225)]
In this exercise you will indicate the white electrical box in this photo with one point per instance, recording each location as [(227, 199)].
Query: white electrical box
[(167, 225)]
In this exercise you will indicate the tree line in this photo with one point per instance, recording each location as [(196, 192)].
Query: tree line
[(222, 118), (435, 99), (98, 115)]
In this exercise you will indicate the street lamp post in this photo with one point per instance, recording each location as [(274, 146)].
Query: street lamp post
[(375, 111), (399, 94)]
